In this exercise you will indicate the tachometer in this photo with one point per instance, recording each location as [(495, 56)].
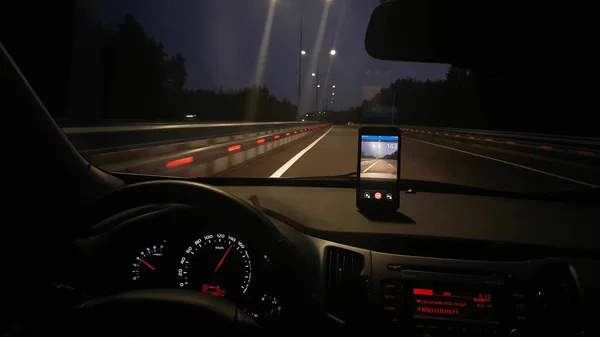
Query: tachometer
[(148, 267), (216, 264)]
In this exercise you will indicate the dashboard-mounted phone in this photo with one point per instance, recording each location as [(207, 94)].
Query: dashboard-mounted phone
[(378, 167)]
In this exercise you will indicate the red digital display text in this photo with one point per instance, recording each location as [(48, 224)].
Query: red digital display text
[(213, 290), (448, 303)]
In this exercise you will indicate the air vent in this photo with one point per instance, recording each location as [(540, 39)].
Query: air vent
[(561, 293), (346, 286), (558, 300)]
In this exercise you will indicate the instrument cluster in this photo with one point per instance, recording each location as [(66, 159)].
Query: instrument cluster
[(218, 264)]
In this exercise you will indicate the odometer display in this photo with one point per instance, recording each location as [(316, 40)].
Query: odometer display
[(216, 264)]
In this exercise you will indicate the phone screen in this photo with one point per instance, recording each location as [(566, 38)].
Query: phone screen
[(379, 160)]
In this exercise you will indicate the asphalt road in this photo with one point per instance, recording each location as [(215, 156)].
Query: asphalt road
[(379, 168), (334, 153)]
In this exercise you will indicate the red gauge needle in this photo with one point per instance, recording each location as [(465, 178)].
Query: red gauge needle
[(223, 258), (148, 265)]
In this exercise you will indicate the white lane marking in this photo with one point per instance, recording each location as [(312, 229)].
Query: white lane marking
[(391, 165), (509, 163), (368, 168), (292, 161)]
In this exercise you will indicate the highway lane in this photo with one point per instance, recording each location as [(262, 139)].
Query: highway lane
[(427, 159), (379, 168)]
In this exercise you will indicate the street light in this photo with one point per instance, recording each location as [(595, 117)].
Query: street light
[(333, 86), (333, 94), (332, 52), (318, 85), (303, 52)]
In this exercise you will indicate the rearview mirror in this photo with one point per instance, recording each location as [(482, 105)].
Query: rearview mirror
[(477, 35)]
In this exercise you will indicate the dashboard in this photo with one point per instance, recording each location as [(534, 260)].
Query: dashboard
[(177, 246), (409, 284)]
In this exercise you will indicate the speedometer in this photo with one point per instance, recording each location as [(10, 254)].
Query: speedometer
[(216, 264)]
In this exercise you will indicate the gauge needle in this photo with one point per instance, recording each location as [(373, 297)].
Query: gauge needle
[(223, 258), (148, 265)]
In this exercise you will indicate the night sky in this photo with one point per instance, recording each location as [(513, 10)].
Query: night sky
[(377, 149), (221, 40)]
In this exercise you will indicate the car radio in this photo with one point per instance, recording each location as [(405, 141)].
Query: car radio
[(448, 304)]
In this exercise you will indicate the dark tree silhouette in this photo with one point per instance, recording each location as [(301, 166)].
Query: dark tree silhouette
[(522, 102), (122, 73)]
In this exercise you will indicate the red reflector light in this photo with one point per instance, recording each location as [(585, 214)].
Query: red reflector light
[(546, 147), (488, 139), (277, 136), (234, 148), (471, 137), (179, 162), (511, 143), (295, 132), (260, 141), (287, 134)]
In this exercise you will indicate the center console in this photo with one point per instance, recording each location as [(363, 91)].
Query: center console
[(427, 298), (436, 303)]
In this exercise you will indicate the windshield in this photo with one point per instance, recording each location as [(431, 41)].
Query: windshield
[(278, 89)]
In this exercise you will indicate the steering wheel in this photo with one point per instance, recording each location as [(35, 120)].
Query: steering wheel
[(159, 311)]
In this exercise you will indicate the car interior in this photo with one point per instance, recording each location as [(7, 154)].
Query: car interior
[(89, 252)]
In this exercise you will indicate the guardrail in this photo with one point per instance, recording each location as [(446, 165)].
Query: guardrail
[(580, 149), (110, 138), (200, 157)]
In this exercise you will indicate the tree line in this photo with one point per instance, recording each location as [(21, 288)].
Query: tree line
[(123, 73), (519, 102)]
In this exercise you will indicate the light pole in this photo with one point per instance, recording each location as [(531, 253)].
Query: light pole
[(317, 91), (317, 75), (393, 101), (303, 52)]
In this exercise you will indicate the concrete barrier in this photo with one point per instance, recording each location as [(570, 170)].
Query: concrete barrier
[(204, 157), (111, 138)]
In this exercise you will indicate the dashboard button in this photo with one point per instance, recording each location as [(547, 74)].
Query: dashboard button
[(390, 297), (391, 287), (390, 308)]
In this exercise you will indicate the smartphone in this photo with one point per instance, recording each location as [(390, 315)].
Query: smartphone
[(378, 168)]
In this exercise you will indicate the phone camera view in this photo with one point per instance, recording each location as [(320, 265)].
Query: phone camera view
[(379, 157)]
